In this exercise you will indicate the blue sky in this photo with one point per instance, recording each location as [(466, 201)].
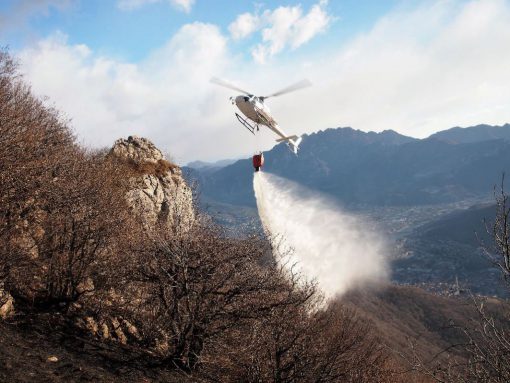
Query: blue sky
[(141, 67), (131, 34)]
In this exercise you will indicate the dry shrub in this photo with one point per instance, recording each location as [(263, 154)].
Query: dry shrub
[(61, 207), (483, 352), (295, 344), (34, 142), (215, 308), (195, 287), (77, 222), (159, 168)]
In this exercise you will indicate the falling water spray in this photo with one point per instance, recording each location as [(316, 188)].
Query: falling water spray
[(327, 244)]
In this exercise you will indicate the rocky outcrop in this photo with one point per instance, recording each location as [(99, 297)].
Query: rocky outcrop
[(115, 329), (6, 304), (158, 192)]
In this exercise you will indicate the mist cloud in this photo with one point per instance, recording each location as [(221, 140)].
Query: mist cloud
[(325, 243)]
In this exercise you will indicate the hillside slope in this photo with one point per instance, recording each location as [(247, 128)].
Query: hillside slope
[(400, 314), (403, 314), (448, 249)]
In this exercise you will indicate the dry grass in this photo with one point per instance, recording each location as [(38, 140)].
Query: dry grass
[(159, 168)]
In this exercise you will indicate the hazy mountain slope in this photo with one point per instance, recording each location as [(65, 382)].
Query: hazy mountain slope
[(392, 174), (403, 314), (210, 166), (448, 248), (373, 168), (465, 226), (328, 155)]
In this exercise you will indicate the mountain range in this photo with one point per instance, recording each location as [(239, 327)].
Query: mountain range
[(429, 195), (380, 169)]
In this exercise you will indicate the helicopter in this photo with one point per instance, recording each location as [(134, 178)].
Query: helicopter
[(253, 108)]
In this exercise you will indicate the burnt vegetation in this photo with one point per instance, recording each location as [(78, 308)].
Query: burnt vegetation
[(192, 305), (148, 304)]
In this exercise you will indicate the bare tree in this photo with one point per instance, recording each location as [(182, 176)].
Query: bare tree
[(198, 286), (315, 344), (212, 307), (61, 207), (499, 232), (220, 309), (33, 138), (483, 354)]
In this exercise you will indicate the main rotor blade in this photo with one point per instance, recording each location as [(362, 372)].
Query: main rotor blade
[(298, 85), (226, 84)]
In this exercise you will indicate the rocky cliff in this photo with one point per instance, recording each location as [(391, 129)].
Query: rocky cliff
[(157, 192), (159, 196)]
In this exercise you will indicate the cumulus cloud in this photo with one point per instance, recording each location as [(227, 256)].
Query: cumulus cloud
[(244, 25), (416, 71), (163, 97), (128, 5), (281, 27)]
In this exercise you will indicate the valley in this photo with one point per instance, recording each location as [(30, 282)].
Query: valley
[(434, 226)]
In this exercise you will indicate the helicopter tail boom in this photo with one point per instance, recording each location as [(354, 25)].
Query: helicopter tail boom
[(294, 137), (292, 141), (294, 144)]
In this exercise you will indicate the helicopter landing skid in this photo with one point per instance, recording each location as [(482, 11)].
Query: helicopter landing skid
[(247, 124)]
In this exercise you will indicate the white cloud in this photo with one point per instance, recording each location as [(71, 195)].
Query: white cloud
[(244, 25), (416, 71), (309, 25), (128, 5), (281, 27), (185, 5), (164, 98)]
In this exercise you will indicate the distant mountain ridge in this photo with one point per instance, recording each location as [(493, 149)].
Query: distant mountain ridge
[(476, 133), (384, 168), (210, 165)]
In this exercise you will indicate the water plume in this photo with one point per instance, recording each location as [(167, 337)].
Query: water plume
[(327, 244)]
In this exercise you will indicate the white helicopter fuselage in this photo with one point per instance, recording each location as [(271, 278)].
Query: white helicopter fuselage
[(255, 109)]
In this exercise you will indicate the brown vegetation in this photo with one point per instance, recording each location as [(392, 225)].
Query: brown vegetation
[(53, 197), (158, 168), (197, 303), (218, 307), (482, 351), (192, 305)]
